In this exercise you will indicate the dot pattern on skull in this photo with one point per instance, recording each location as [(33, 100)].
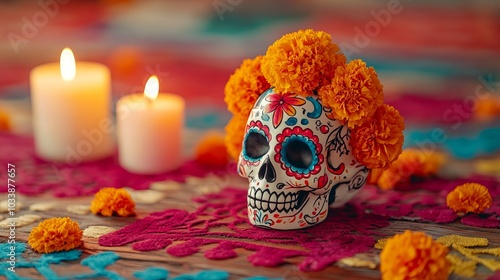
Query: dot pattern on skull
[(221, 219)]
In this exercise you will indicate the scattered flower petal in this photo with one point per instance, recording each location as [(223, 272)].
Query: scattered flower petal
[(146, 196), (78, 209), (166, 186), (97, 231), (43, 206), (357, 262), (20, 221), (4, 206)]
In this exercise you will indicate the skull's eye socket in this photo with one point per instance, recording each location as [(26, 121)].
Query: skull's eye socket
[(255, 145), (298, 154)]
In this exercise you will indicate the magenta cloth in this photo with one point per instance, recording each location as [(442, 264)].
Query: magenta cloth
[(35, 176), (426, 201), (221, 219), (496, 276), (415, 108)]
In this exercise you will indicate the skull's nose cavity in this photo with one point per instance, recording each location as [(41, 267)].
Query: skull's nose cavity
[(267, 171)]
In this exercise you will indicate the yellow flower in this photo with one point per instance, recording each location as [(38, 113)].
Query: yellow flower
[(55, 234), (469, 198), (378, 141), (414, 255), (235, 130), (354, 93), (110, 200), (301, 62), (244, 86)]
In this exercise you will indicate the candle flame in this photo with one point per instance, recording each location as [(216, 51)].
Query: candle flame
[(68, 65), (152, 88)]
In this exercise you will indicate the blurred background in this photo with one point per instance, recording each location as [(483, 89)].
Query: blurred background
[(439, 61)]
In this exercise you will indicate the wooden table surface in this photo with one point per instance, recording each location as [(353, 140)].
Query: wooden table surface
[(132, 261)]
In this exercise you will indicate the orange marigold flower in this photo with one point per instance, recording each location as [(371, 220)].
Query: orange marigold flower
[(469, 198), (235, 130), (378, 142), (211, 150), (354, 93), (244, 86), (111, 200), (414, 255), (54, 235), (431, 162), (411, 162), (301, 62), (4, 121), (373, 175)]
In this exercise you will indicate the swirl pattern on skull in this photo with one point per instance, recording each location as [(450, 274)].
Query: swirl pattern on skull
[(298, 161)]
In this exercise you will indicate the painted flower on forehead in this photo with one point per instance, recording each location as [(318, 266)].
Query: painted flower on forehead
[(378, 142), (280, 104), (55, 234), (301, 62), (354, 93), (109, 201), (414, 256), (469, 198)]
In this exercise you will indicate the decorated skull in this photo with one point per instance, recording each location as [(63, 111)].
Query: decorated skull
[(308, 126), (298, 161)]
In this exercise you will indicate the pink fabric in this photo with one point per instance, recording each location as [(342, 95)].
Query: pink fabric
[(496, 276), (481, 221), (426, 201), (35, 176), (221, 219)]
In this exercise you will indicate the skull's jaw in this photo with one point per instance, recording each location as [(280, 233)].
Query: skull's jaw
[(284, 210)]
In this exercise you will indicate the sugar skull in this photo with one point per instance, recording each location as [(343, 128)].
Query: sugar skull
[(298, 161)]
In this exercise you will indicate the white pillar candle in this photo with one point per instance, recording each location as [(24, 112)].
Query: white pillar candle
[(72, 110), (149, 130)]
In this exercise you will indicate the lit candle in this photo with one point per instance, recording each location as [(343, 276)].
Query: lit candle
[(149, 129), (72, 110)]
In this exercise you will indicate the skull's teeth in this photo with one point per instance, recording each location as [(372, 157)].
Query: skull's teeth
[(272, 201), (281, 202)]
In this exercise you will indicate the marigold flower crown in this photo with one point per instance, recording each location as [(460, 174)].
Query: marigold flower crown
[(307, 63)]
